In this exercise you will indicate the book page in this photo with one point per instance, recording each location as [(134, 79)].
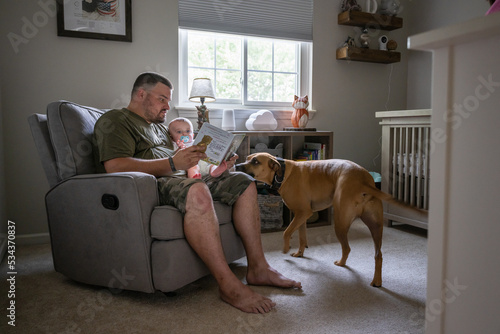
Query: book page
[(218, 142), (234, 146)]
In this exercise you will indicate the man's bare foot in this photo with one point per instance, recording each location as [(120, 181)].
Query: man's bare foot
[(246, 300), (269, 276)]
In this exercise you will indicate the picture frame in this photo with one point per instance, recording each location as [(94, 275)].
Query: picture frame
[(95, 19)]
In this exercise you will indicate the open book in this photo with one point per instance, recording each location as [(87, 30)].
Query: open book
[(220, 144)]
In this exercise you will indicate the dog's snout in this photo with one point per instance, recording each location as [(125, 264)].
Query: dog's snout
[(243, 168), (240, 167)]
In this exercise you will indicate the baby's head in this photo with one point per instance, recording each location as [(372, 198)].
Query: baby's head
[(181, 128)]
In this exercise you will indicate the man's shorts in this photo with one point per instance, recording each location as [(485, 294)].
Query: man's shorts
[(225, 188)]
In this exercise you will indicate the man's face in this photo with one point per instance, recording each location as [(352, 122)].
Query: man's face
[(156, 103)]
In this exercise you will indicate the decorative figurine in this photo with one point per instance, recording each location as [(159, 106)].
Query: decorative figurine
[(392, 45), (300, 115), (349, 42), (350, 5), (371, 6), (389, 7), (364, 39)]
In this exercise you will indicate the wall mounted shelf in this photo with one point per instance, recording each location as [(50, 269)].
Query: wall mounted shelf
[(376, 21), (368, 55)]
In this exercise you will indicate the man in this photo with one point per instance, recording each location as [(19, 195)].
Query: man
[(140, 142)]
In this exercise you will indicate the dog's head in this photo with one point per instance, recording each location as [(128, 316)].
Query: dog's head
[(262, 166)]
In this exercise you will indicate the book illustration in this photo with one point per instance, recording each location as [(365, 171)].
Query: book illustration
[(205, 141), (220, 144)]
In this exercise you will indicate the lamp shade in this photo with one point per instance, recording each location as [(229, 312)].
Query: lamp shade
[(202, 88)]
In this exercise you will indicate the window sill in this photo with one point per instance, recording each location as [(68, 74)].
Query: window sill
[(239, 113)]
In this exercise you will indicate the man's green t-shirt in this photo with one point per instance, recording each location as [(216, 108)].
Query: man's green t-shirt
[(120, 133)]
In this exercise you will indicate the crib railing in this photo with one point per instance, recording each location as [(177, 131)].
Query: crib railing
[(405, 163), (409, 170)]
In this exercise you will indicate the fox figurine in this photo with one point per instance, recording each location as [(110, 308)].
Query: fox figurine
[(300, 115)]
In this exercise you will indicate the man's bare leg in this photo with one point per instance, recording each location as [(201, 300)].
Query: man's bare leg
[(202, 232), (246, 216)]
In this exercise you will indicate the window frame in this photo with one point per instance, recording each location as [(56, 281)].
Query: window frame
[(304, 65)]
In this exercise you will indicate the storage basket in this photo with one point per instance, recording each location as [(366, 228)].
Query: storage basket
[(271, 211)]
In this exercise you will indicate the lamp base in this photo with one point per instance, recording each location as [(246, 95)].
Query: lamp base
[(202, 115)]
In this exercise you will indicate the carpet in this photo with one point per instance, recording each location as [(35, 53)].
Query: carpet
[(333, 299)]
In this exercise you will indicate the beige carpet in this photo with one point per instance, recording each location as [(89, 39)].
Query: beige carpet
[(333, 299)]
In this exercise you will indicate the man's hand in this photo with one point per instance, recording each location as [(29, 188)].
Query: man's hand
[(188, 157)]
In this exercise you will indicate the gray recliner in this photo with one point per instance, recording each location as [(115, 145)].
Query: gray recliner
[(108, 229)]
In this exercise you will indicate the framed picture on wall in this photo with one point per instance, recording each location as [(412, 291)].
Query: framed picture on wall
[(96, 19)]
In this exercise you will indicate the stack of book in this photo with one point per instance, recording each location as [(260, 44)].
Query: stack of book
[(312, 151)]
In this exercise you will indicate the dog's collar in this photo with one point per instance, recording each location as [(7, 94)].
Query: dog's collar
[(279, 179)]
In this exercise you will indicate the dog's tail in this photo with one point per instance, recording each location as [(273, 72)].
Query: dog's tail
[(375, 192)]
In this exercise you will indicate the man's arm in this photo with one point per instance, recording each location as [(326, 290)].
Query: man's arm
[(157, 167), (183, 160)]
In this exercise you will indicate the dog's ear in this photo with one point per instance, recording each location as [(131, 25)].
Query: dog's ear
[(275, 166)]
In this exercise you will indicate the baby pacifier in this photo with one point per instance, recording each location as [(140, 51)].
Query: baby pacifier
[(185, 139)]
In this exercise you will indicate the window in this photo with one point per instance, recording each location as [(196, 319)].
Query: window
[(244, 70)]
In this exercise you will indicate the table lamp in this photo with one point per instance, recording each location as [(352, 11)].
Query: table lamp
[(202, 91)]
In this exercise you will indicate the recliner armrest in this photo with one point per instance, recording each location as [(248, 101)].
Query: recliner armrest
[(100, 226), (145, 184)]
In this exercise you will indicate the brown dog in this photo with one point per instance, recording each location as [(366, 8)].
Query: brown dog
[(310, 186)]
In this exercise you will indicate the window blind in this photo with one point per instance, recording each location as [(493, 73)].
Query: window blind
[(286, 19)]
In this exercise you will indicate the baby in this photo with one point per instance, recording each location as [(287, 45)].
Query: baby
[(181, 131)]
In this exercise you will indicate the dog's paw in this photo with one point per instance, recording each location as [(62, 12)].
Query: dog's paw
[(339, 263), (376, 284), (298, 254), (286, 249)]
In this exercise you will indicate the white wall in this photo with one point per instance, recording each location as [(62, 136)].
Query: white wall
[(429, 15), (49, 68)]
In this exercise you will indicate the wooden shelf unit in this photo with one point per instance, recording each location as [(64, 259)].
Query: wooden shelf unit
[(293, 142), (372, 21)]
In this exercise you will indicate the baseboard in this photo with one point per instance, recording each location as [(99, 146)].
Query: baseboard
[(33, 239), (23, 239), (406, 220)]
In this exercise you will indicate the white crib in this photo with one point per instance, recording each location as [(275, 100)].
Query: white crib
[(405, 162)]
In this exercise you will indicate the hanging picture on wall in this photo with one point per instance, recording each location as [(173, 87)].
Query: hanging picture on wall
[(97, 19)]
